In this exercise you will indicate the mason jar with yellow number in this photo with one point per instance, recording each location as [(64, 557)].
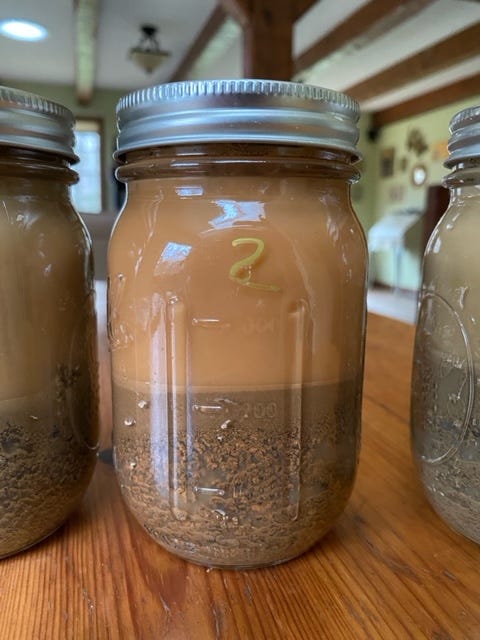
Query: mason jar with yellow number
[(237, 273)]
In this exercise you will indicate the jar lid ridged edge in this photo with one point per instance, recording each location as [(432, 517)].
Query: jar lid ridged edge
[(237, 110), (32, 102), (33, 122), (175, 91), (464, 142)]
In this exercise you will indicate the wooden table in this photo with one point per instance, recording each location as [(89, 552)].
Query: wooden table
[(389, 569)]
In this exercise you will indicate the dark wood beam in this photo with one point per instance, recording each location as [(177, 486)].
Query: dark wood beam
[(302, 6), (267, 35), (371, 21), (267, 50), (246, 13), (86, 16), (239, 10), (214, 23), (453, 50), (461, 90)]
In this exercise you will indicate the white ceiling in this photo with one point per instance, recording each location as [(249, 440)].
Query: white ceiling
[(118, 30), (436, 22), (181, 20)]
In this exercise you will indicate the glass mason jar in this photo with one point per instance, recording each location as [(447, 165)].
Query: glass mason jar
[(237, 273), (48, 368), (445, 409)]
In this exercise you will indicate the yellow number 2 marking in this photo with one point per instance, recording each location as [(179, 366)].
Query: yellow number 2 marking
[(241, 271)]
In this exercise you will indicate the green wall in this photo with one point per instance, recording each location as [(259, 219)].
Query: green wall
[(363, 192)]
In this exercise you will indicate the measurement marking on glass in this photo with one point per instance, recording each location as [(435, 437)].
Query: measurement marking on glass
[(209, 491), (226, 401), (210, 323), (176, 353), (207, 408), (297, 327)]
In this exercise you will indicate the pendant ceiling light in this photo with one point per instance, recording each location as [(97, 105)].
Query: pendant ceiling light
[(147, 54)]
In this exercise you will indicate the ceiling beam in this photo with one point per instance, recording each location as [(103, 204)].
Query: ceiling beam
[(371, 21), (239, 10), (268, 40), (86, 17), (267, 35), (374, 19), (461, 90), (453, 50), (242, 10), (214, 23), (302, 6)]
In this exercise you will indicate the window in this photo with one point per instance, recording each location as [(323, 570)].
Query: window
[(87, 193)]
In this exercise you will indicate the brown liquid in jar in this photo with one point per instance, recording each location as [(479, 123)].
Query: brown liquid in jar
[(236, 303), (48, 384)]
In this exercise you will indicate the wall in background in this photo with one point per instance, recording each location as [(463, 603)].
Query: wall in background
[(363, 192), (396, 191)]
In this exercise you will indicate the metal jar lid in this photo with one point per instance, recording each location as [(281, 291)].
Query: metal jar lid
[(464, 142), (29, 121), (263, 111)]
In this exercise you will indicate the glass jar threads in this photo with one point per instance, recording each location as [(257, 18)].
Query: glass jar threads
[(445, 414), (48, 366), (237, 273)]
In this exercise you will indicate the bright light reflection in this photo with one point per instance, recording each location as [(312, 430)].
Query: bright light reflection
[(233, 211), (174, 252), (187, 192), (23, 30), (172, 258)]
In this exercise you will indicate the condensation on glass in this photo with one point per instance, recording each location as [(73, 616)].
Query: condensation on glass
[(237, 274), (48, 364), (445, 409)]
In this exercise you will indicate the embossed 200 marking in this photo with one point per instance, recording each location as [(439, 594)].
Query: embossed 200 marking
[(241, 271)]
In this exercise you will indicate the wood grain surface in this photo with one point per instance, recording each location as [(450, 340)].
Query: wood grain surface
[(389, 569)]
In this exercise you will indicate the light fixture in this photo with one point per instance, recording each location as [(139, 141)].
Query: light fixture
[(147, 54), (23, 30)]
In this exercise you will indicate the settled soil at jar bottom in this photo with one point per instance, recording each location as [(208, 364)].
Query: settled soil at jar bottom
[(239, 479), (47, 457), (446, 450), (453, 489), (452, 485)]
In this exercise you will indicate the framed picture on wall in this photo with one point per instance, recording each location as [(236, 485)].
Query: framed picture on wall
[(387, 161)]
